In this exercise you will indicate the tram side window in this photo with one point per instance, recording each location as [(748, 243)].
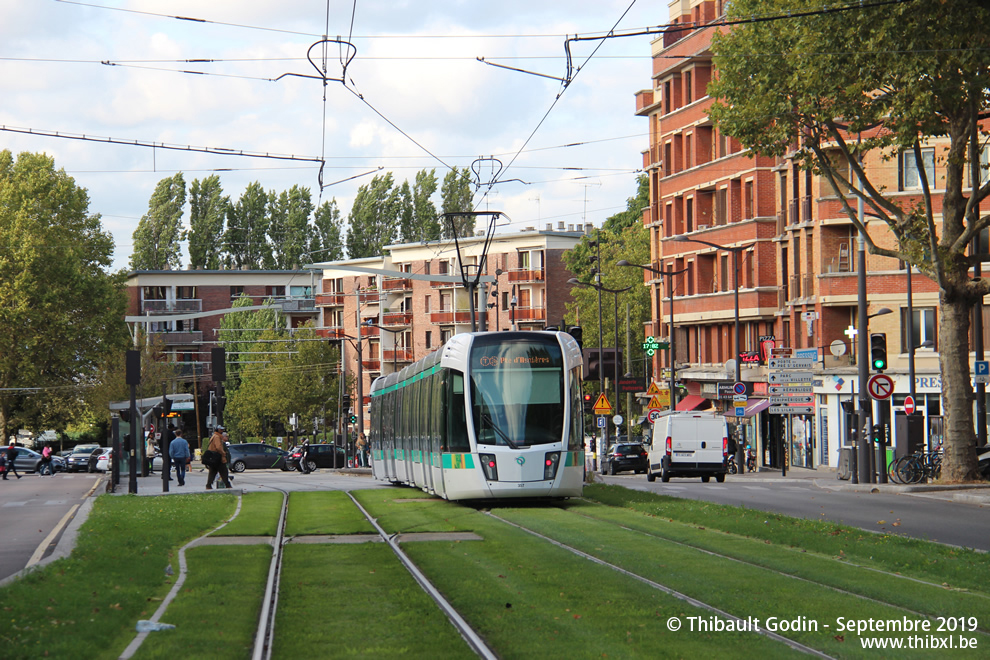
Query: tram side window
[(457, 433), (575, 441), (436, 413)]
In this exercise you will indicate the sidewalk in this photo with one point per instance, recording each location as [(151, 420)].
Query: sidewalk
[(827, 478)]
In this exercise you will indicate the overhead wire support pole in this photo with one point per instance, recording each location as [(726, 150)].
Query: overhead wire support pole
[(471, 282)]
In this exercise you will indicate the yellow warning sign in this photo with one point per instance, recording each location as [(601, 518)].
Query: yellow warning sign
[(656, 402), (602, 406), (653, 389)]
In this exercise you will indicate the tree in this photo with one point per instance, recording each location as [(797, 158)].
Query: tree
[(289, 226), (61, 310), (239, 331), (207, 210), (374, 218), (325, 237), (877, 81), (623, 236), (457, 197), (246, 238), (156, 239)]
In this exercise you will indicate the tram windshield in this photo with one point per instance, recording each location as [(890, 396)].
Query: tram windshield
[(517, 390)]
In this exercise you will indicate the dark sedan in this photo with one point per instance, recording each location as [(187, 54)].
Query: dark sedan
[(256, 456), (625, 456), (320, 456), (79, 459)]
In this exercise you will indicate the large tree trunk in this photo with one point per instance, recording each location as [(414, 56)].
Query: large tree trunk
[(959, 458)]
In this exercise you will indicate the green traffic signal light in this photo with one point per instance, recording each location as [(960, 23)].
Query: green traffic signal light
[(353, 419), (878, 351)]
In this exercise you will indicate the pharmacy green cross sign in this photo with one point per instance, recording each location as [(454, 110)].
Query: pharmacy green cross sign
[(652, 345)]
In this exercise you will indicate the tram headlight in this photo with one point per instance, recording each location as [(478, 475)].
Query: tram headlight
[(489, 465), (550, 464)]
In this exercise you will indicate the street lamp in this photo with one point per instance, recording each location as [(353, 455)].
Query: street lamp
[(356, 343), (615, 293), (670, 337), (740, 453)]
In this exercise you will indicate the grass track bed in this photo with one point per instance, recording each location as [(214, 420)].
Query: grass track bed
[(357, 601), (86, 606), (258, 516), (216, 613), (324, 512), (722, 583)]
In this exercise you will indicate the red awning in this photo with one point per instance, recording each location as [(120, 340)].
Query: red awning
[(692, 401)]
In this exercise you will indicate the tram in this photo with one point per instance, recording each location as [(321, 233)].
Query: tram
[(490, 415)]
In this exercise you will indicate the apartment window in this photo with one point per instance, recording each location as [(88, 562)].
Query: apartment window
[(301, 291), (427, 304), (749, 200), (186, 293), (446, 334), (911, 175), (236, 291), (426, 268), (275, 291), (724, 269), (924, 322), (429, 339), (722, 206), (688, 92)]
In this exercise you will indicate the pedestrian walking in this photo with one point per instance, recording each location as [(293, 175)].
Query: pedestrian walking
[(216, 454), (46, 461), (11, 465), (178, 451), (304, 458)]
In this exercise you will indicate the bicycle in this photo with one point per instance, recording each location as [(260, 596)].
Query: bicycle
[(918, 467)]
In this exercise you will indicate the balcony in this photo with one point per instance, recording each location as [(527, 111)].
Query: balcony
[(397, 355), (334, 332), (525, 275), (446, 317), (369, 331), (329, 299), (396, 284), (442, 285), (368, 296), (371, 365), (397, 318), (172, 306), (299, 305), (178, 338), (530, 313)]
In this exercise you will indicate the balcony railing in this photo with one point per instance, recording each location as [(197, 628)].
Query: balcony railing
[(795, 287), (397, 355), (793, 211), (525, 275), (396, 284), (371, 365), (298, 305), (170, 306), (449, 316), (329, 299), (806, 208), (397, 318), (176, 338), (530, 313), (371, 296), (369, 331)]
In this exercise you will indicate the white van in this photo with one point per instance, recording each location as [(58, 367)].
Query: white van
[(689, 444)]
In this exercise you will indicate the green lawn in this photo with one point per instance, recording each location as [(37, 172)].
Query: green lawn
[(324, 512), (258, 516)]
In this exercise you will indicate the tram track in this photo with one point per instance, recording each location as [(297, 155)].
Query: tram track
[(797, 646), (266, 622)]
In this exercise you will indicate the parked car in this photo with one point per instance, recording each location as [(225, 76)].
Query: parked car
[(624, 456), (78, 460), (103, 460), (28, 460), (256, 456), (320, 456)]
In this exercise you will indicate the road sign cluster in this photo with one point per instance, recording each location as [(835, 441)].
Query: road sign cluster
[(790, 383)]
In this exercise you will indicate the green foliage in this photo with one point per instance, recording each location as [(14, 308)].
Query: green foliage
[(61, 311), (457, 197), (240, 330), (156, 239), (207, 210), (374, 218), (325, 237), (246, 237), (288, 228), (623, 236)]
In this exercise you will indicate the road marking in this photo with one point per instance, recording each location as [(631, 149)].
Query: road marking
[(53, 502), (40, 551), (756, 487), (12, 504)]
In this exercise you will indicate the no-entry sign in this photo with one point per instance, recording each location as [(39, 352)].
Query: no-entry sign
[(909, 405)]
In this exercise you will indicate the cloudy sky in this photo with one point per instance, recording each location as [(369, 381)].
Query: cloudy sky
[(117, 70)]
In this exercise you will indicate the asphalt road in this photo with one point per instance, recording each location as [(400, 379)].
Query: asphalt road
[(31, 509), (929, 516)]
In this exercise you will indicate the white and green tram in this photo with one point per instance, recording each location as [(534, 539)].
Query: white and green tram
[(489, 415)]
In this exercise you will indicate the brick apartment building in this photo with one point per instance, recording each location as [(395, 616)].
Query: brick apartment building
[(398, 319), (797, 264)]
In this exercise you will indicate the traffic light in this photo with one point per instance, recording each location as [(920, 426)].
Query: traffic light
[(878, 435), (878, 351), (353, 419), (589, 404)]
